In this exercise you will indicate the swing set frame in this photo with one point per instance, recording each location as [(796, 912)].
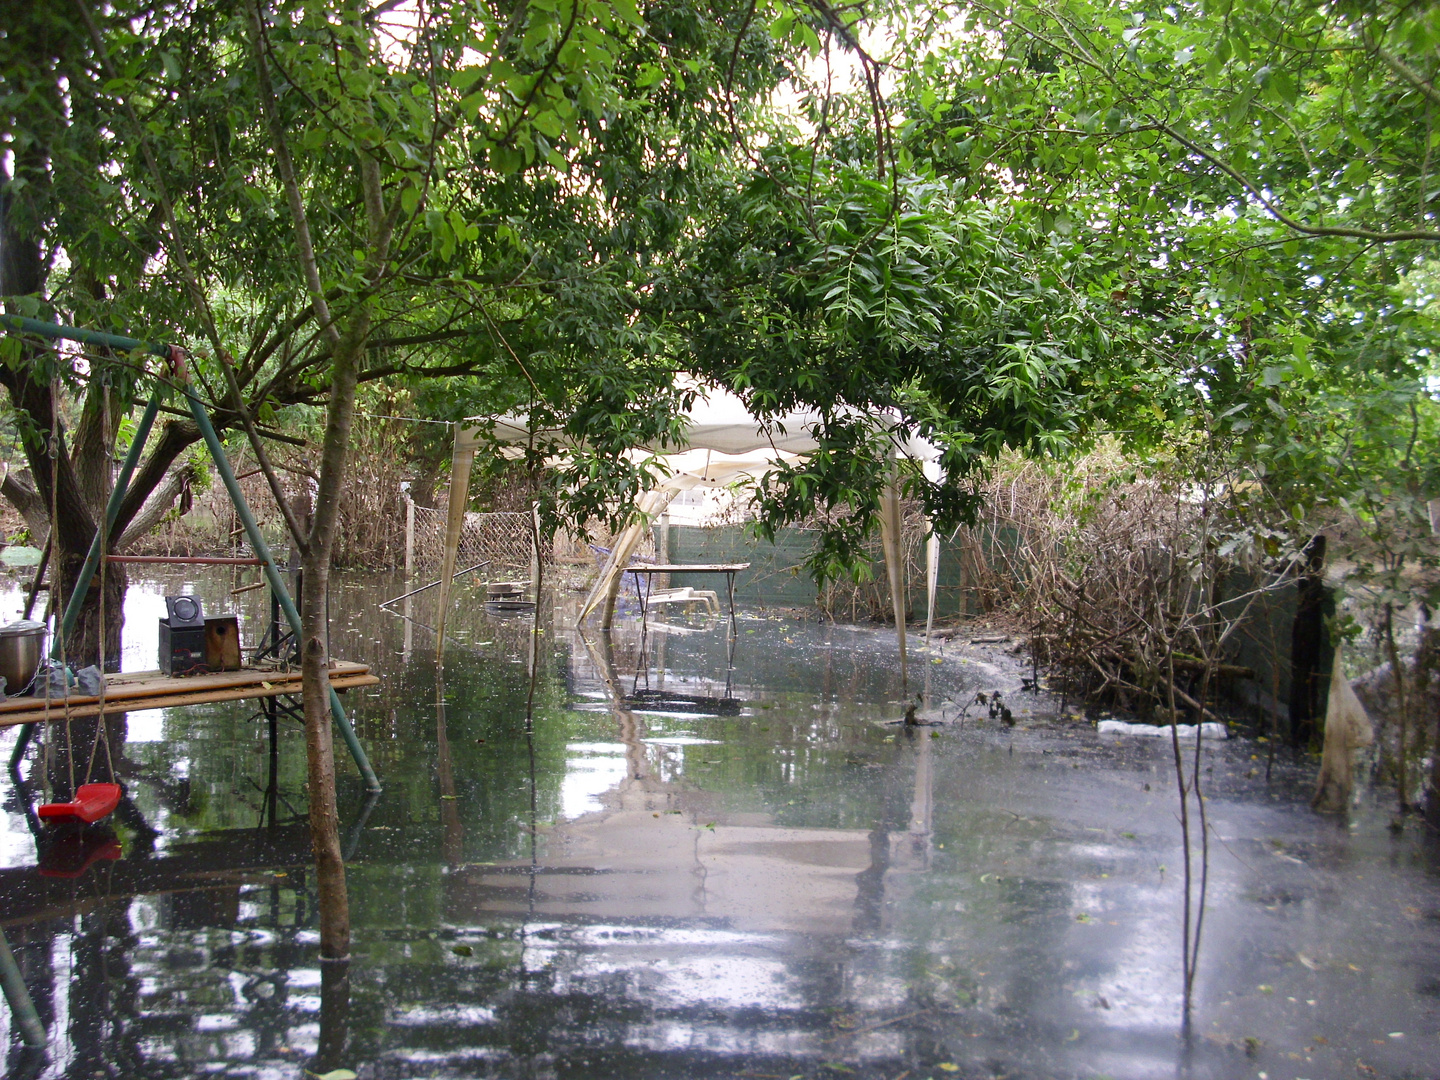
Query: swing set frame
[(174, 357)]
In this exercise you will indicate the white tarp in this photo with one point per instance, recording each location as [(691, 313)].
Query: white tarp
[(718, 421)]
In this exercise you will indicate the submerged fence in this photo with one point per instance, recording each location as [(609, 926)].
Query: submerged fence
[(504, 540)]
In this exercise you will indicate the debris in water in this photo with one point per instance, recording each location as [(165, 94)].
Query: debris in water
[(1210, 729)]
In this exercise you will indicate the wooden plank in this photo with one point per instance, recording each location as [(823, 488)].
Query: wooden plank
[(36, 715), (147, 684)]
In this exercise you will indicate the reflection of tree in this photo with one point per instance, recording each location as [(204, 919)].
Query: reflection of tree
[(334, 1016), (639, 790), (453, 844)]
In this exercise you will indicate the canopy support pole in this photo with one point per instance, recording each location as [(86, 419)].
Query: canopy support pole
[(463, 458), (607, 585), (890, 525), (932, 578), (932, 556)]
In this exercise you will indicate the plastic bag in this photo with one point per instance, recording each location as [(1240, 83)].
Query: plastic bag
[(89, 681)]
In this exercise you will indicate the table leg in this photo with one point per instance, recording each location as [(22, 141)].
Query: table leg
[(730, 590)]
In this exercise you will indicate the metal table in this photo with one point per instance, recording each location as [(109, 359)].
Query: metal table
[(651, 569)]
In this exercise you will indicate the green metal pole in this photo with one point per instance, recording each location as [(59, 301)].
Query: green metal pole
[(32, 1031), (277, 583), (23, 325)]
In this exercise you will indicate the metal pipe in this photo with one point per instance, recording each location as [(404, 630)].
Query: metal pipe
[(35, 585), (222, 464), (189, 560), (415, 592), (277, 583), (21, 1006), (74, 333), (22, 742)]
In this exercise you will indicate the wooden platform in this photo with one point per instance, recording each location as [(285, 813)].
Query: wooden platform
[(134, 691)]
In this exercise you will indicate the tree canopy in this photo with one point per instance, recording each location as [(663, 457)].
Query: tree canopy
[(992, 224)]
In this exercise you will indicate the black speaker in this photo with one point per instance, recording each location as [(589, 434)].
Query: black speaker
[(182, 651), (183, 613)]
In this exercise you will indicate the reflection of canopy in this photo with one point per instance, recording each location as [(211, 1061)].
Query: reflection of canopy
[(723, 444)]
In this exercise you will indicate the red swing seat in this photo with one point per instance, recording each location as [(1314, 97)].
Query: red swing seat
[(91, 803)]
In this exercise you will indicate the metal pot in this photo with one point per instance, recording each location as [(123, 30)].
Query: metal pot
[(21, 644)]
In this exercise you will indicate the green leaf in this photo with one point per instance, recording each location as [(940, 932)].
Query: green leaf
[(462, 79), (547, 123), (628, 11)]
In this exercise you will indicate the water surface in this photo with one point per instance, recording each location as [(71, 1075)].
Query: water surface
[(706, 857)]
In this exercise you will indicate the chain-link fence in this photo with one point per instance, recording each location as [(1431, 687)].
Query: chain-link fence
[(504, 539)]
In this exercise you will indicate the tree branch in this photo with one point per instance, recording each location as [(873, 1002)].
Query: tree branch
[(156, 506), (285, 166), (1428, 235)]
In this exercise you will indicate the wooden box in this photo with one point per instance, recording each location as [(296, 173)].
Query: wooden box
[(222, 643)]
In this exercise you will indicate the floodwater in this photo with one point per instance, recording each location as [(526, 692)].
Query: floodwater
[(706, 857)]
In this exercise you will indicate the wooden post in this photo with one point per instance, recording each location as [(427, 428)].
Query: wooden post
[(409, 536), (535, 548)]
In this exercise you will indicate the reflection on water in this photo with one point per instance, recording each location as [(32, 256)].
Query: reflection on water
[(707, 858)]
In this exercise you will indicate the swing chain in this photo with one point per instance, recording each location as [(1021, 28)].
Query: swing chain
[(56, 597), (101, 722)]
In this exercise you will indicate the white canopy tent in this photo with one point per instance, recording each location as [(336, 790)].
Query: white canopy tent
[(724, 443)]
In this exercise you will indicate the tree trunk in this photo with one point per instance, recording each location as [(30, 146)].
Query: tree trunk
[(334, 903), (1310, 649), (320, 760), (82, 647)]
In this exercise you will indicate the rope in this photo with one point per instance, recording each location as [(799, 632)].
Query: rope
[(58, 607), (103, 525), (406, 419)]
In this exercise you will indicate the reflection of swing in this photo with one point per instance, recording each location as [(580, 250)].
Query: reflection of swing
[(90, 801), (72, 855)]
